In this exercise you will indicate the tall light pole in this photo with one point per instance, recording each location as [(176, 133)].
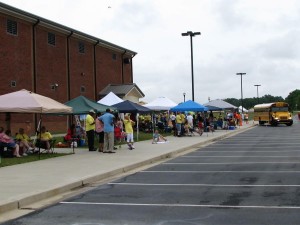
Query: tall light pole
[(191, 34), (241, 74), (183, 96), (257, 85)]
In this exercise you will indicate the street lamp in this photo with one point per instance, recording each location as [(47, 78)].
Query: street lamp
[(191, 34), (183, 96), (257, 85), (241, 74)]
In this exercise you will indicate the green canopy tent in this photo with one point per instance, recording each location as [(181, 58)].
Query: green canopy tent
[(82, 105)]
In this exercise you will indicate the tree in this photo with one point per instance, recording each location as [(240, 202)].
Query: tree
[(293, 99)]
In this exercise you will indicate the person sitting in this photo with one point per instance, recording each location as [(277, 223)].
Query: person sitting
[(188, 130), (72, 135), (24, 141), (157, 137), (7, 141), (45, 137)]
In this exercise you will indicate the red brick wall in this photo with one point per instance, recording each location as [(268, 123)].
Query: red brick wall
[(16, 63), (81, 69), (109, 70), (15, 57)]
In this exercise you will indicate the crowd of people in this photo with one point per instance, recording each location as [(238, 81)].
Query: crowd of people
[(21, 144), (112, 130)]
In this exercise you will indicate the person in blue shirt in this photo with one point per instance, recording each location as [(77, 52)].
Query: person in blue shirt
[(108, 120)]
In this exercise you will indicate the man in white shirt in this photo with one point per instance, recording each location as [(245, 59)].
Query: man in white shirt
[(190, 119)]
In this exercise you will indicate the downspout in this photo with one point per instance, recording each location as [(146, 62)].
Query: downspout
[(68, 66), (122, 62), (34, 54), (34, 65), (95, 72), (132, 67), (70, 118)]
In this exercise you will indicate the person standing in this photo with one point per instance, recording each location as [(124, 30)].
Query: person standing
[(100, 132), (173, 120), (178, 124), (90, 129), (108, 120), (129, 131), (190, 120)]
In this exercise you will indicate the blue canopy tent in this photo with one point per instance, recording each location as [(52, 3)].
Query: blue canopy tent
[(189, 106), (131, 107)]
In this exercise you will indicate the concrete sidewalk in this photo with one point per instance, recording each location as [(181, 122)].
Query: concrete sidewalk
[(25, 184)]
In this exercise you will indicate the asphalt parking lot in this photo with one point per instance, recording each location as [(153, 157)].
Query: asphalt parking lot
[(250, 178)]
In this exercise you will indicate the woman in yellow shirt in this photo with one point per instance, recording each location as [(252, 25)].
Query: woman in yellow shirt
[(24, 141)]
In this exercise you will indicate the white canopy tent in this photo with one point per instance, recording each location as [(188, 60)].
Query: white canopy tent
[(161, 103), (244, 110), (110, 99)]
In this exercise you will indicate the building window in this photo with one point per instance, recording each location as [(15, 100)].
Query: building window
[(81, 47), (114, 56), (82, 89), (13, 83), (51, 39), (12, 27)]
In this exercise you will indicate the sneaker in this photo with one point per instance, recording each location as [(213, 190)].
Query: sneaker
[(24, 154), (132, 147)]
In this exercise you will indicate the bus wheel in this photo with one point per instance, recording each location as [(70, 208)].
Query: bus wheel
[(289, 124)]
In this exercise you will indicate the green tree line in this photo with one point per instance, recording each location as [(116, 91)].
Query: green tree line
[(293, 99)]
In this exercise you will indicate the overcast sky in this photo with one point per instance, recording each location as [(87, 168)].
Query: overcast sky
[(257, 37)]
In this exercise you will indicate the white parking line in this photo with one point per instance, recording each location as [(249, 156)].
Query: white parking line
[(235, 163), (233, 156), (203, 150), (217, 171), (210, 185), (183, 205)]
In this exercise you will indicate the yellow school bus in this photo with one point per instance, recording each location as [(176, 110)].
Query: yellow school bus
[(273, 113)]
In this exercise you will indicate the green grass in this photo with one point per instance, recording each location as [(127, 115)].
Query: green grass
[(29, 158), (35, 157)]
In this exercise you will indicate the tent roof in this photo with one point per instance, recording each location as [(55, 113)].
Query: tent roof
[(25, 101), (110, 99), (189, 106), (131, 107), (244, 110), (82, 105), (220, 104), (161, 103), (213, 108)]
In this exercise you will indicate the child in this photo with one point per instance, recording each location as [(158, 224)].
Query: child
[(129, 131), (119, 136), (200, 128), (157, 137)]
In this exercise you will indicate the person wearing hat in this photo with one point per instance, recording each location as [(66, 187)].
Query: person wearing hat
[(90, 129)]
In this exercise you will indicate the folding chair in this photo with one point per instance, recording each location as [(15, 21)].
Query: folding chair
[(42, 145)]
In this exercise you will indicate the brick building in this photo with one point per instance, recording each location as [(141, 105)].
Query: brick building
[(55, 61)]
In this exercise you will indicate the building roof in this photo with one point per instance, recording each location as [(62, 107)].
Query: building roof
[(37, 20), (121, 90)]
